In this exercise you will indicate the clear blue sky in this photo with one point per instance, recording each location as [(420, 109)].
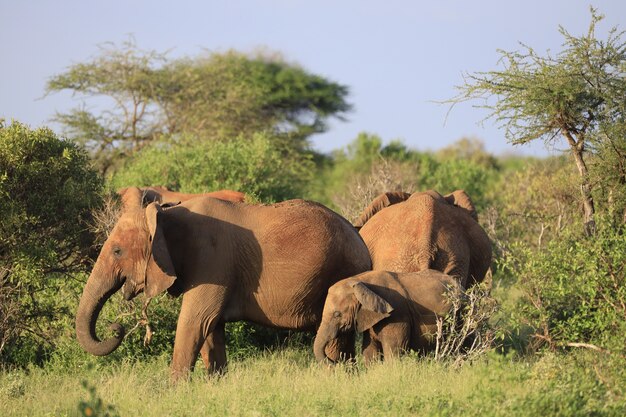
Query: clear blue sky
[(397, 57)]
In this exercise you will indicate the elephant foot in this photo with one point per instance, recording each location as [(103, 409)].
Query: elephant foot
[(180, 375)]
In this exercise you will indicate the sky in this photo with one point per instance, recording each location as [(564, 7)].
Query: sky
[(398, 58)]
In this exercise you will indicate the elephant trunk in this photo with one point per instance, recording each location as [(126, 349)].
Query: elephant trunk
[(322, 339), (97, 291)]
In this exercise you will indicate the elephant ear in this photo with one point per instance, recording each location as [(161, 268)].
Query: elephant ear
[(384, 200), (460, 198), (373, 309), (131, 198), (150, 196), (160, 273)]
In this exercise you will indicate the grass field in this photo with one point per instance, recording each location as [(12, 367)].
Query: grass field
[(289, 383)]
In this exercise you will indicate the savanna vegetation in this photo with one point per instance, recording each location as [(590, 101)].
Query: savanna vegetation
[(552, 320)]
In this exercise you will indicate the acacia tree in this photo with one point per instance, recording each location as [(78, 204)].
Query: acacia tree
[(577, 94), (129, 120), (138, 97)]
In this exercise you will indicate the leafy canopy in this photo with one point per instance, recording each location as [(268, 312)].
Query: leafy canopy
[(542, 97), (260, 166), (140, 96), (577, 94)]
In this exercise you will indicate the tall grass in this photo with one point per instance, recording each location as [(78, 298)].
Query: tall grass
[(289, 383)]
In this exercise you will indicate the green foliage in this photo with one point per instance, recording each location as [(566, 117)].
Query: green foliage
[(455, 174), (541, 97), (217, 96), (94, 406), (366, 168), (47, 192), (576, 94), (259, 166), (468, 149), (574, 290), (231, 94), (534, 204)]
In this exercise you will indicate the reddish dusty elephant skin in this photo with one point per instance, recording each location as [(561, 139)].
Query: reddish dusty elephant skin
[(427, 231), (161, 195), (267, 264), (395, 311)]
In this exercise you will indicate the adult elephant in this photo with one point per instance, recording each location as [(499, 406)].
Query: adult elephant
[(268, 264), (162, 195), (414, 232)]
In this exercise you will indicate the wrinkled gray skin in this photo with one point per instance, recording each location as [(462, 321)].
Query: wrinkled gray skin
[(271, 265), (395, 312)]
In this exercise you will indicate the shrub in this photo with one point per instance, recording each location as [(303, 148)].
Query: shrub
[(47, 191), (467, 332), (574, 290), (261, 166), (535, 204), (366, 168)]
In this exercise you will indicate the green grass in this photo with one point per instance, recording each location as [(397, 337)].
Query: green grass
[(289, 383)]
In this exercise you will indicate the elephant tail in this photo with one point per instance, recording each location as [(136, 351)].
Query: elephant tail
[(426, 209)]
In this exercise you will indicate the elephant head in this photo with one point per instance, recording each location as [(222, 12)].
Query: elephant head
[(349, 305), (135, 258)]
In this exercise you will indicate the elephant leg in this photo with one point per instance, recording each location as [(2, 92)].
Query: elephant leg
[(393, 348), (372, 349), (394, 340), (213, 350), (187, 344), (341, 348), (192, 331)]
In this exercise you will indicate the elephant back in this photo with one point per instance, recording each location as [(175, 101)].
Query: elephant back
[(382, 201), (134, 197), (427, 231)]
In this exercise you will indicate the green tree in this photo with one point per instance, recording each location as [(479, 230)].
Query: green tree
[(365, 168), (468, 149), (47, 192), (259, 166), (577, 94), (141, 96)]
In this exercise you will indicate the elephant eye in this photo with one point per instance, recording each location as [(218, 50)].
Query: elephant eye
[(337, 314), (117, 252)]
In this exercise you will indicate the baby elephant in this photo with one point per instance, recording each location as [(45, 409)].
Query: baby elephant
[(397, 311)]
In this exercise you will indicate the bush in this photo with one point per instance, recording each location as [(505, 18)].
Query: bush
[(47, 192), (366, 169), (574, 290), (260, 166), (535, 204)]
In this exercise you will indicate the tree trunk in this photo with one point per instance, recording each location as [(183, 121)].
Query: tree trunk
[(577, 148)]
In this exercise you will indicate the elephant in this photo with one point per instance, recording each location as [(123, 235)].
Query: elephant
[(267, 264), (162, 195), (414, 232), (395, 312)]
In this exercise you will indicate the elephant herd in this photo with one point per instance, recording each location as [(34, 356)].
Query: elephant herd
[(292, 265)]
